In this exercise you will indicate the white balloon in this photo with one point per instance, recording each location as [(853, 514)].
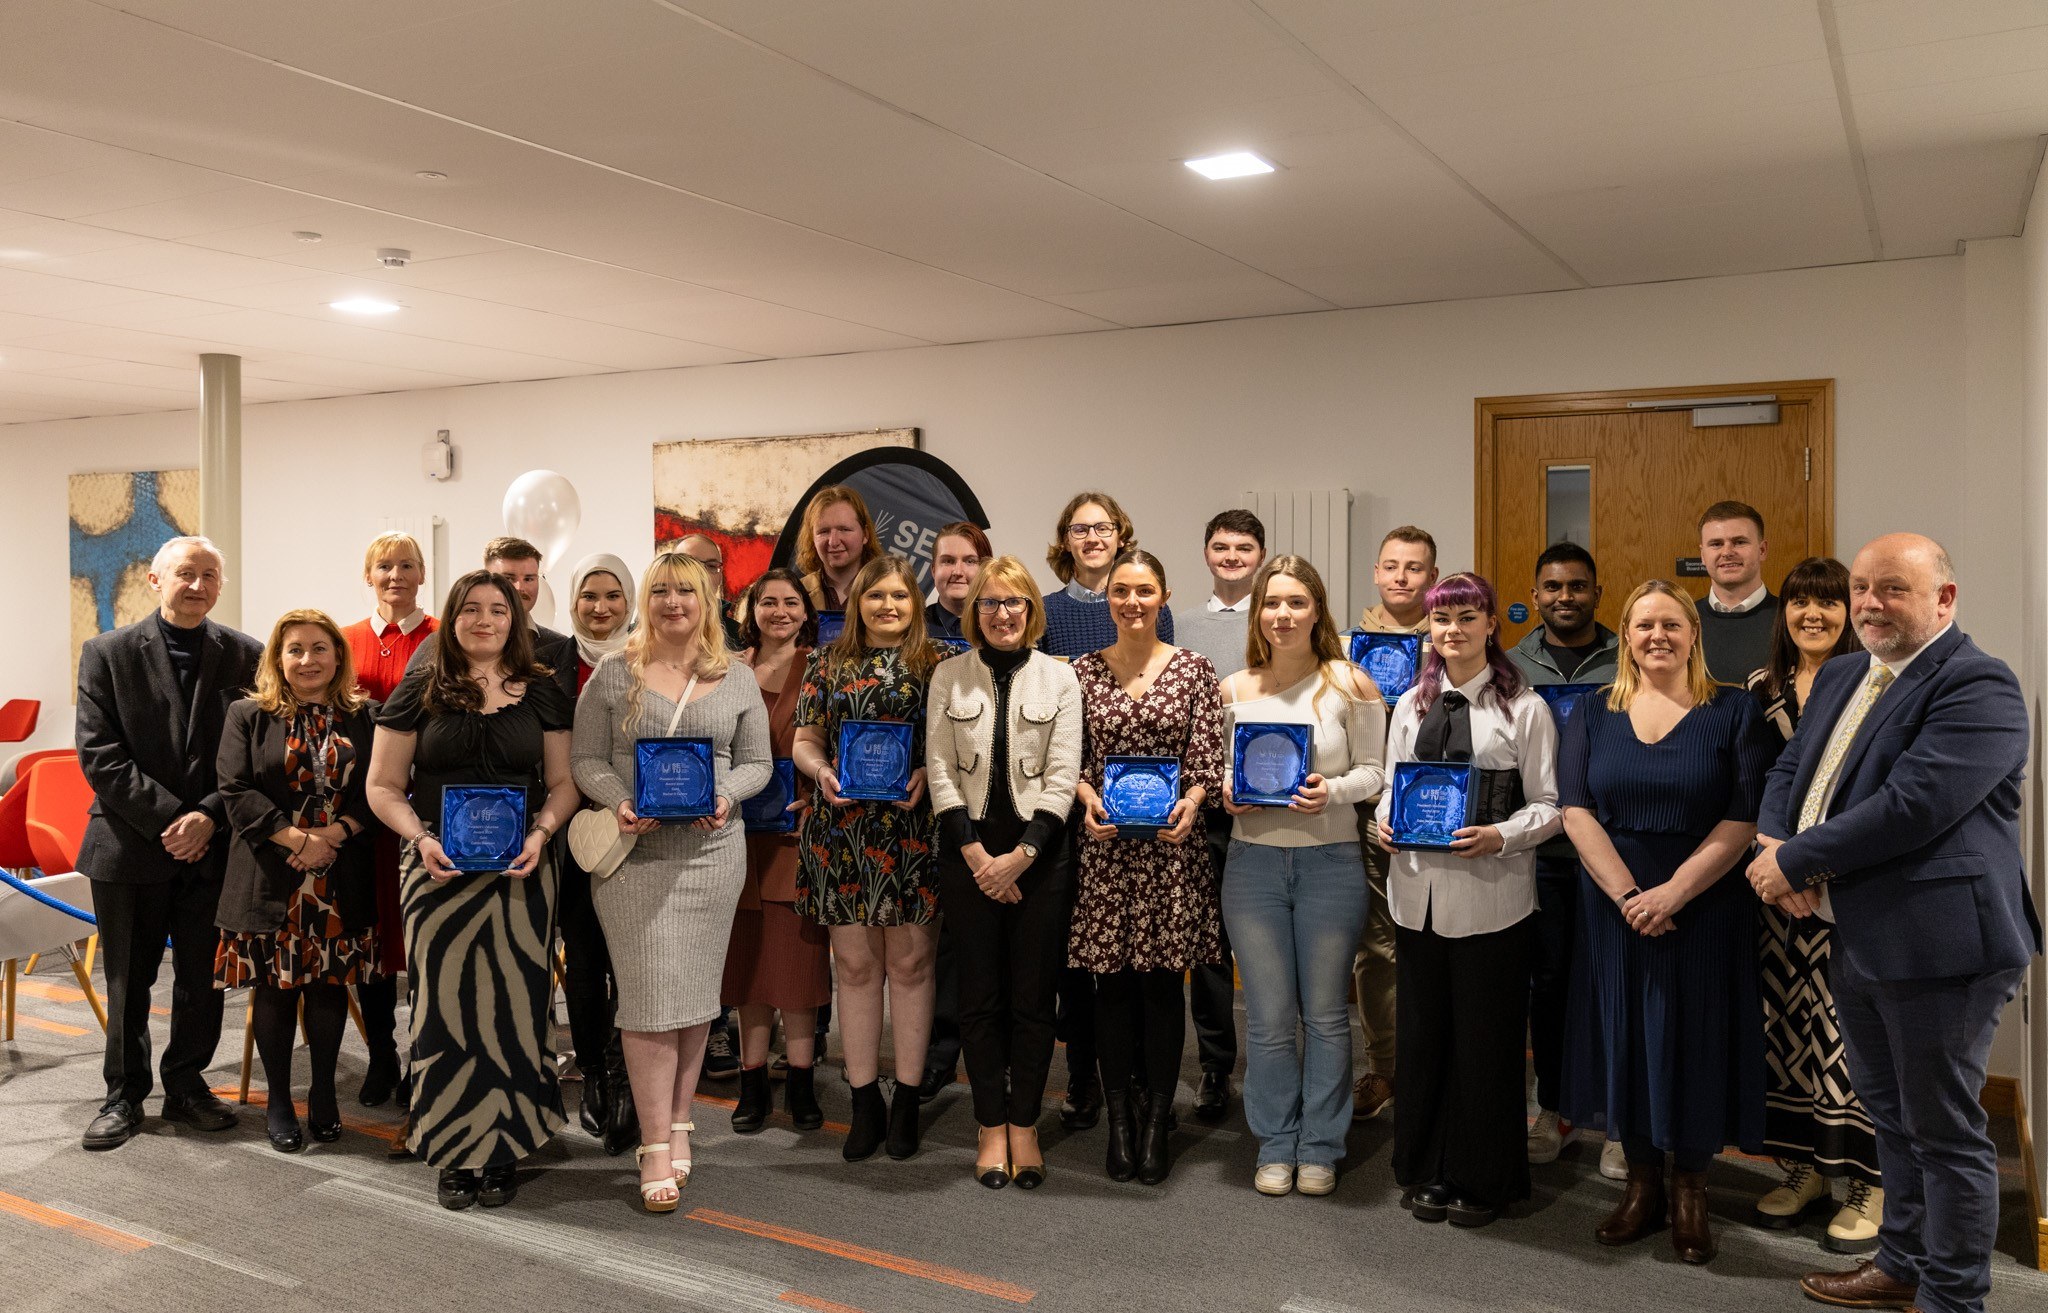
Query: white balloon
[(544, 605), (542, 507)]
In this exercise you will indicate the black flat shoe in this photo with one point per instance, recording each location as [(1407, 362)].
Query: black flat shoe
[(116, 1124), (1212, 1097), (380, 1081), (202, 1112), (1463, 1210), (1030, 1177), (933, 1085), (497, 1185), (993, 1175), (323, 1132), (456, 1187), (288, 1140), (1428, 1203), (1082, 1108)]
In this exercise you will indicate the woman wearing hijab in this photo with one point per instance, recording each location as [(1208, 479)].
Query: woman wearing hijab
[(600, 617)]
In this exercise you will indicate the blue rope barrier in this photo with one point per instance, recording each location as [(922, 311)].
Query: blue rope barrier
[(47, 901)]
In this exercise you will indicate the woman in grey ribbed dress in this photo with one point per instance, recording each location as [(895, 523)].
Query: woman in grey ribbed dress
[(667, 911)]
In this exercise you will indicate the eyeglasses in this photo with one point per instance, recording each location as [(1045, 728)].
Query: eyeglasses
[(1102, 530), (1007, 605)]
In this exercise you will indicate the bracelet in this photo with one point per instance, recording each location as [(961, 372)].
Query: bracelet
[(542, 826), (1632, 892), (305, 837)]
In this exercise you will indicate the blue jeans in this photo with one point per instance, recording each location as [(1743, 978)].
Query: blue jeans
[(1294, 916)]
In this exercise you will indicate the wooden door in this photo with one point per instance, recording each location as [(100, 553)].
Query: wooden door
[(1629, 483)]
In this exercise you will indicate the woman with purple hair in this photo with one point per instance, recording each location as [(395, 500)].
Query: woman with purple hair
[(1461, 905)]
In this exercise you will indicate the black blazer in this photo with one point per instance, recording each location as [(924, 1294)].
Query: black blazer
[(148, 756), (555, 651), (260, 880)]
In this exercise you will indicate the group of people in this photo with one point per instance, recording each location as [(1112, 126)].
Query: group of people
[(1742, 875)]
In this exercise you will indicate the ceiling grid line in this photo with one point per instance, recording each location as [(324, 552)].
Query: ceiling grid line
[(1859, 164)]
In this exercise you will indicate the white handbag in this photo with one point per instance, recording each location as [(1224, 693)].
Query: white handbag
[(595, 839)]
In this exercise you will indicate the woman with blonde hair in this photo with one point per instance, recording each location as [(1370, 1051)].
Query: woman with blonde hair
[(1660, 779), (837, 540), (667, 911), (1293, 902), (298, 913), (868, 870)]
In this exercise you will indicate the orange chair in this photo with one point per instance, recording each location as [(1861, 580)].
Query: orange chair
[(59, 800), (17, 766), (15, 854), (18, 719)]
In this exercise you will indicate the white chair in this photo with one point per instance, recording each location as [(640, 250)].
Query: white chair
[(29, 927)]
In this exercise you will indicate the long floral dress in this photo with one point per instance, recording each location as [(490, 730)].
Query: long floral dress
[(1143, 904), (867, 863)]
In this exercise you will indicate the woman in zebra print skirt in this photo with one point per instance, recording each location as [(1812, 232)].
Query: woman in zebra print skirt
[(480, 712)]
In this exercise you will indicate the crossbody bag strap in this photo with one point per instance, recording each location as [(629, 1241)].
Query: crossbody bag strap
[(677, 719)]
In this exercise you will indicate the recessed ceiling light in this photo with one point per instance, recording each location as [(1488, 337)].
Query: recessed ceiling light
[(1237, 164), (431, 175), (364, 305)]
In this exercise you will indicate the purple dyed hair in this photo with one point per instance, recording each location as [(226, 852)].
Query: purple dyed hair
[(1456, 592)]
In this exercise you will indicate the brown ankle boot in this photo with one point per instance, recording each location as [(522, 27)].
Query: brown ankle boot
[(1691, 1237), (1641, 1210)]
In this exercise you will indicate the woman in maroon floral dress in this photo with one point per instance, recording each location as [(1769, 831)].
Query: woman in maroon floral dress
[(1146, 908)]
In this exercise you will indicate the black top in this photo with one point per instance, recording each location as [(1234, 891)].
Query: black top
[(1570, 658), (557, 652), (261, 800), (1000, 829), (503, 747), (941, 623), (1737, 644), (185, 647)]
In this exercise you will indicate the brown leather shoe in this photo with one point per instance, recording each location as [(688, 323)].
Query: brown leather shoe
[(1370, 1096), (1866, 1286), (1641, 1209), (1692, 1239)]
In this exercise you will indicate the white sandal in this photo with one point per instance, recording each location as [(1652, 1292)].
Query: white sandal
[(648, 1189), (682, 1167)]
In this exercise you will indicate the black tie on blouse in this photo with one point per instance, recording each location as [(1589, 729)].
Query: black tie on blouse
[(1446, 731)]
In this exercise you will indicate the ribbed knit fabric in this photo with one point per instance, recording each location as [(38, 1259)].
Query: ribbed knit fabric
[(1737, 644), (1074, 628)]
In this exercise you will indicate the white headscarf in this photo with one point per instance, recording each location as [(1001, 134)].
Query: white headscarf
[(595, 650)]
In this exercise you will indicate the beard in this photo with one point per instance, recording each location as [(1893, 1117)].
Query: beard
[(1890, 643)]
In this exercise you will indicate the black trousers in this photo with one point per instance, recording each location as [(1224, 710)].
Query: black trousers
[(942, 1054), (587, 983), (135, 919), (1074, 1016), (1009, 958), (1550, 973), (1141, 1026), (1212, 989), (1458, 1110)]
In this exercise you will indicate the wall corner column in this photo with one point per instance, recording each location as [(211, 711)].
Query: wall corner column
[(220, 474)]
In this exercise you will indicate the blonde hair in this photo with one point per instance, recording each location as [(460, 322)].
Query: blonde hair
[(273, 692), (1061, 557), (1628, 676), (711, 659), (918, 651), (807, 562), (386, 545), (1007, 570), (1338, 675)]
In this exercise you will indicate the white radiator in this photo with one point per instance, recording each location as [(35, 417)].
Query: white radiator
[(1316, 523)]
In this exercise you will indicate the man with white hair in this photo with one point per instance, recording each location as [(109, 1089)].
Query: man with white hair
[(152, 697)]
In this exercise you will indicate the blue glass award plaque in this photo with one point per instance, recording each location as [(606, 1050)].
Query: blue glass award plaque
[(1139, 793), (673, 779), (830, 625), (1268, 762), (1391, 660), (483, 827), (874, 760), (767, 812), (1563, 697), (1432, 800)]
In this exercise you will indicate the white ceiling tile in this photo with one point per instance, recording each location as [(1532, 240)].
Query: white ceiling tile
[(167, 267)]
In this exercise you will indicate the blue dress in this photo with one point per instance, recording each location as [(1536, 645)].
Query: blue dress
[(1665, 1041)]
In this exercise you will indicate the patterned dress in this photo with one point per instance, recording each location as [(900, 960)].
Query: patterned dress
[(313, 946), (868, 863), (1142, 904)]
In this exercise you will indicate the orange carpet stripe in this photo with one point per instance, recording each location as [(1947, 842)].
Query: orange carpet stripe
[(61, 1221), (910, 1267), (385, 1131), (837, 1128), (801, 1300), (54, 1027), (43, 989)]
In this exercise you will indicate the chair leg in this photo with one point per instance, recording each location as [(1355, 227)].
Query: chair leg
[(7, 1027), (92, 947), (248, 1047), (30, 969), (92, 995)]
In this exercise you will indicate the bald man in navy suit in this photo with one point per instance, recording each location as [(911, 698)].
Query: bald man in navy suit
[(1894, 812)]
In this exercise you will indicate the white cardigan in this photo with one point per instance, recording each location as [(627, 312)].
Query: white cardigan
[(1045, 735)]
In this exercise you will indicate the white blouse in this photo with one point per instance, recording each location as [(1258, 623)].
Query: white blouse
[(1461, 896), (1350, 744)]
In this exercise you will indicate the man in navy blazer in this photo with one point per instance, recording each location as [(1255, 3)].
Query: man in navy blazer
[(1894, 812)]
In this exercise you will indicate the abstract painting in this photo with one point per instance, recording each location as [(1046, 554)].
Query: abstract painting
[(117, 523), (739, 492)]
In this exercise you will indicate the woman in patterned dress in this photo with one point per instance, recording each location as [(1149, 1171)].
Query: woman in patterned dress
[(298, 911), (481, 711), (1146, 908), (868, 870)]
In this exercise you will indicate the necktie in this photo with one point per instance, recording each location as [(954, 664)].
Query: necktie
[(1446, 732), (1838, 748)]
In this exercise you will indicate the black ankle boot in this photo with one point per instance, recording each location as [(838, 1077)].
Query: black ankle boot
[(1154, 1158), (622, 1132), (1121, 1162), (596, 1113), (750, 1114), (868, 1124), (903, 1128), (800, 1092)]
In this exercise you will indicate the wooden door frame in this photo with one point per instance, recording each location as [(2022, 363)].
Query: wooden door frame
[(1816, 393)]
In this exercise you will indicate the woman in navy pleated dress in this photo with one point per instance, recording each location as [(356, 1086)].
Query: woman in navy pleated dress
[(1660, 776)]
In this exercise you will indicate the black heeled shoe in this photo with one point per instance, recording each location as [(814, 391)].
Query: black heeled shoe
[(750, 1114), (497, 1185), (1155, 1153), (1082, 1107), (323, 1132), (287, 1139), (800, 1096), (622, 1132), (456, 1187), (596, 1112), (903, 1127), (1121, 1159), (380, 1080), (868, 1124)]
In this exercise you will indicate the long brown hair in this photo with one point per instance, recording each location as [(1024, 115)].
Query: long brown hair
[(273, 692), (1331, 662), (1628, 676), (750, 627), (449, 685), (918, 651), (1060, 556), (807, 562)]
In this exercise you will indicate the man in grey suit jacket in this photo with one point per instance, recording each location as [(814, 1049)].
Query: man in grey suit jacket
[(152, 697), (1894, 813)]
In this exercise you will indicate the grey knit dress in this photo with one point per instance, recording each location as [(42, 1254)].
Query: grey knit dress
[(667, 911)]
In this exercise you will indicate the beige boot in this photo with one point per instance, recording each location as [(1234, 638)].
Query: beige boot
[(1854, 1230), (1785, 1207)]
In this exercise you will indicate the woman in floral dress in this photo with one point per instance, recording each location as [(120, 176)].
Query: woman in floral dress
[(868, 870), (1146, 908)]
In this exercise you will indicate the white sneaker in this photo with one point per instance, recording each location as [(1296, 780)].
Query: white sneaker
[(1275, 1178), (1613, 1161), (1783, 1208), (1314, 1178), (1547, 1139), (1854, 1230)]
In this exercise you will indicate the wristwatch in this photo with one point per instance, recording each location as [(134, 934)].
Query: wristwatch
[(1030, 851)]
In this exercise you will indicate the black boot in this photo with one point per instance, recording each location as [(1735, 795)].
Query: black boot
[(800, 1092), (750, 1114), (869, 1122), (596, 1113), (1154, 1158), (623, 1131), (903, 1126), (1122, 1160)]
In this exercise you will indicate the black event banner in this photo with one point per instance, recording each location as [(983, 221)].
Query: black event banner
[(911, 494)]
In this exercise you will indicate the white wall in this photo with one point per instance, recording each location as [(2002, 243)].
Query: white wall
[(2032, 282), (1174, 421)]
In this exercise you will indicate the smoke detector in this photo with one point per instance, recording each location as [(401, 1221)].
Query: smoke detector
[(391, 257)]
